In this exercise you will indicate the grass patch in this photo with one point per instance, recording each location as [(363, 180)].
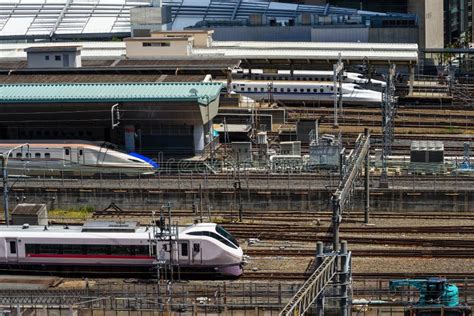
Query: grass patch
[(82, 212)]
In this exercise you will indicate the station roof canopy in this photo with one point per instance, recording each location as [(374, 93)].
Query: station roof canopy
[(22, 19), (307, 55), (203, 93)]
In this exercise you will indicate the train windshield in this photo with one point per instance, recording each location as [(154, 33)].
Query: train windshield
[(220, 230)]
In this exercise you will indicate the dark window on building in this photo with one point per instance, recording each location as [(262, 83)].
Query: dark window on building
[(156, 44), (57, 57), (13, 247)]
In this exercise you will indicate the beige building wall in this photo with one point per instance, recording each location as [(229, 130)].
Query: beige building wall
[(157, 47), (431, 22), (202, 38)]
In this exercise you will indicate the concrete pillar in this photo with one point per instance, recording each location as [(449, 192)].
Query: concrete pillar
[(129, 132), (198, 137)]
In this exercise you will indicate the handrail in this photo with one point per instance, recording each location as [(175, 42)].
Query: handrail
[(311, 289)]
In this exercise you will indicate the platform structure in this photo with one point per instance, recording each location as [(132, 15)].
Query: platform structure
[(174, 118)]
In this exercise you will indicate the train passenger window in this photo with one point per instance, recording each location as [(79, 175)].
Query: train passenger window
[(332, 88), (13, 247), (249, 89), (275, 89), (295, 90), (184, 250), (28, 155), (262, 89), (242, 89), (73, 249), (321, 90), (50, 249), (80, 152), (37, 155), (140, 250), (315, 90), (98, 249), (66, 151), (288, 90), (47, 155), (282, 90), (308, 90)]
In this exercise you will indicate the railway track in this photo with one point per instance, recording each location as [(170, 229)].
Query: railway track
[(296, 215), (392, 253), (293, 276)]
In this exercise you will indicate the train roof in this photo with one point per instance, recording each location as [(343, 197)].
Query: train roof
[(292, 82), (97, 229)]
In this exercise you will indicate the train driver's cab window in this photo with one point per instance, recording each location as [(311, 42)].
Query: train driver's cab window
[(66, 151), (37, 155)]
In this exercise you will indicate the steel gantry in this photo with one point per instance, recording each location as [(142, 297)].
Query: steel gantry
[(349, 175), (335, 267), (311, 289), (388, 116)]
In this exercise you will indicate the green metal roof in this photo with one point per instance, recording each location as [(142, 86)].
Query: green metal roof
[(202, 92)]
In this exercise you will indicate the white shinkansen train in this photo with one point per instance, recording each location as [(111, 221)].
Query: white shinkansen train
[(201, 250), (293, 91), (305, 75), (72, 157)]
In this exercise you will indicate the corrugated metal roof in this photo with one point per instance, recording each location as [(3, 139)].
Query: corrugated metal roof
[(316, 45), (109, 92), (410, 56)]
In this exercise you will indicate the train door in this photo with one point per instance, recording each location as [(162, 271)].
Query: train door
[(183, 253), (80, 155), (196, 253), (12, 249), (67, 155)]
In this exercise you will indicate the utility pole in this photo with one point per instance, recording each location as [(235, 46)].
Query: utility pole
[(388, 116), (4, 157), (338, 69)]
